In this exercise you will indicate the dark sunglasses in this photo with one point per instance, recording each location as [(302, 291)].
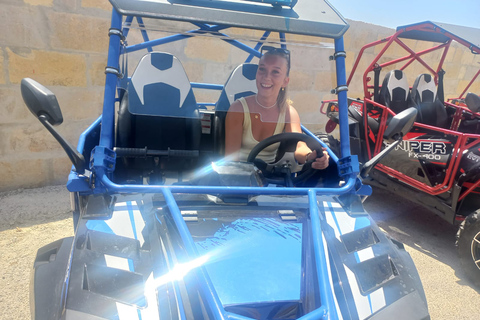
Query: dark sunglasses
[(278, 51)]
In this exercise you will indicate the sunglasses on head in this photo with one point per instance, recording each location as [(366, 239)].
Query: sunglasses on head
[(274, 50)]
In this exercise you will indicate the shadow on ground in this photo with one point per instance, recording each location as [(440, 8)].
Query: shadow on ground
[(418, 228)]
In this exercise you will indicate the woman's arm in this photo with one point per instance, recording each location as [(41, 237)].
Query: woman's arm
[(234, 130), (303, 153)]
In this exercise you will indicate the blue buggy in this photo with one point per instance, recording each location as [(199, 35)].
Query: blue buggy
[(167, 228)]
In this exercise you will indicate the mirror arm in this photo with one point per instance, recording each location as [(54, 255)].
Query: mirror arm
[(372, 162), (76, 157)]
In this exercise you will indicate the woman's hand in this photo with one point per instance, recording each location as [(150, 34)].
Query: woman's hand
[(319, 163)]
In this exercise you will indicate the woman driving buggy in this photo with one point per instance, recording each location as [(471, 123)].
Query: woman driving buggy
[(267, 113)]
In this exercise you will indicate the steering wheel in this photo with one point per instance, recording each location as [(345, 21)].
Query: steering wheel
[(280, 171)]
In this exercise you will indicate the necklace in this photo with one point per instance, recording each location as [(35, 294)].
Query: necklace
[(261, 105)]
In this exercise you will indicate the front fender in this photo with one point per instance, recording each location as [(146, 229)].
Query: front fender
[(47, 286)]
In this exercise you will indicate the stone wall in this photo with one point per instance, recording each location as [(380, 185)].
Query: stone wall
[(63, 44)]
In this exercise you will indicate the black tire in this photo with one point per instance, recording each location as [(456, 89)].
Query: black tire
[(330, 141), (323, 137), (468, 243)]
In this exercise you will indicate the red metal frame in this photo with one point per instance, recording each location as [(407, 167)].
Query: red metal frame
[(413, 56), (469, 84), (458, 116), (459, 148), (326, 102), (383, 124), (452, 167), (461, 143)]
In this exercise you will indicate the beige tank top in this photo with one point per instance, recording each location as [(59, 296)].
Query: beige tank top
[(248, 141)]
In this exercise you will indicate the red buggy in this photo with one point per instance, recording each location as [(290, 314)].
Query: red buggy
[(438, 162)]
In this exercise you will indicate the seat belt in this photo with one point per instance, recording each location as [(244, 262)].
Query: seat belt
[(440, 92), (376, 83)]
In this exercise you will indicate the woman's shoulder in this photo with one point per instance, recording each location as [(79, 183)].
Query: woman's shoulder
[(237, 105), (291, 113)]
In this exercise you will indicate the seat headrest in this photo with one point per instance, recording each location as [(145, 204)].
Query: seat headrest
[(424, 88), (160, 86), (395, 80), (395, 92), (241, 83)]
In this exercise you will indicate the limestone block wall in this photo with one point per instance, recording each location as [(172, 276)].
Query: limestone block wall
[(63, 45)]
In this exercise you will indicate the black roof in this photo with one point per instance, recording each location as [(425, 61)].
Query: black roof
[(442, 32), (307, 17)]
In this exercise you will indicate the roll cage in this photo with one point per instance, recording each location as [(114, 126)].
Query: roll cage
[(103, 156), (424, 31), (459, 135)]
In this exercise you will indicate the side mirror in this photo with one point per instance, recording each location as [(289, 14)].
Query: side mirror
[(398, 127), (44, 105), (41, 101), (473, 102), (400, 124)]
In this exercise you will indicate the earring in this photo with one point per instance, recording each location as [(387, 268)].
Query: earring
[(283, 89)]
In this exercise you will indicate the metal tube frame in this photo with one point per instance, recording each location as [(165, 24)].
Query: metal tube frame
[(460, 144), (459, 147), (469, 84), (103, 184), (108, 115)]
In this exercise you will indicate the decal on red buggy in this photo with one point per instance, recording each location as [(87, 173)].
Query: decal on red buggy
[(358, 107), (472, 156), (429, 150)]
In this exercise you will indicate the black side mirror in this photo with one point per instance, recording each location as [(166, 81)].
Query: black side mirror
[(400, 124), (41, 101), (473, 102), (44, 106), (398, 127)]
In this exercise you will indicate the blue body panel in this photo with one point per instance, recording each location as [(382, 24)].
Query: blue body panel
[(239, 251), (245, 257)]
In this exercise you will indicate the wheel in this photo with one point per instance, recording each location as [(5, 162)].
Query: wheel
[(324, 137), (468, 243), (330, 141), (275, 170)]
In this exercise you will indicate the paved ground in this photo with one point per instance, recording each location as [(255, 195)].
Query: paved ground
[(32, 218), (431, 242), (29, 219)]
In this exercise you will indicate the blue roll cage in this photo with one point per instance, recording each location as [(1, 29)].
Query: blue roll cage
[(102, 157)]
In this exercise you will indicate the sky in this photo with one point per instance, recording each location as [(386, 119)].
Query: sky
[(394, 13)]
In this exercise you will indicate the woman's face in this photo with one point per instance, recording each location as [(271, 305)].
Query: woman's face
[(271, 75)]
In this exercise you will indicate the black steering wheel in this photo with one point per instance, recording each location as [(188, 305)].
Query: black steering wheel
[(280, 171)]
